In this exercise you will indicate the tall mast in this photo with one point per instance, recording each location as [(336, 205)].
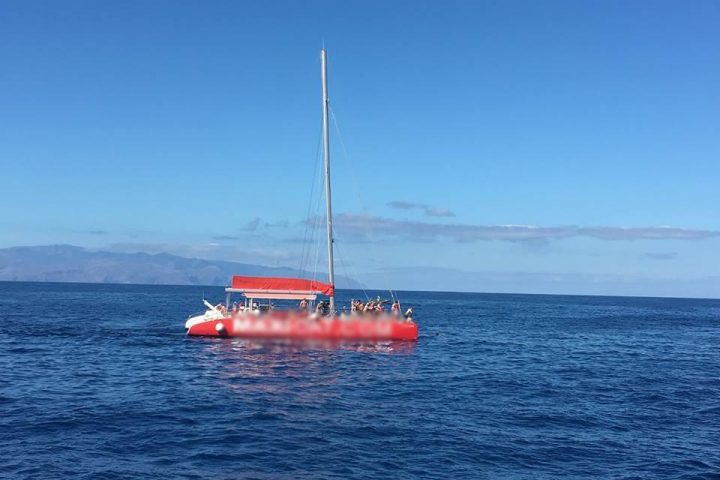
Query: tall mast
[(326, 148)]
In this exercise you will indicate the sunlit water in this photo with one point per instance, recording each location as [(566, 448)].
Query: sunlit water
[(100, 381)]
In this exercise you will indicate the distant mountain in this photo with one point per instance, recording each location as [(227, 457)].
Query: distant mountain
[(68, 263)]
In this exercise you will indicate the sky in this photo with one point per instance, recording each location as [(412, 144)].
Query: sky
[(521, 146)]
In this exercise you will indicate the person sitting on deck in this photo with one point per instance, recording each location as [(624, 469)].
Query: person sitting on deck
[(303, 307)]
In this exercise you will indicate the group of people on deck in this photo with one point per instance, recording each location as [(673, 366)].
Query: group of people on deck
[(374, 306), (236, 308), (371, 307), (378, 307)]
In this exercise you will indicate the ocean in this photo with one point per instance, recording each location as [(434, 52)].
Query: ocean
[(100, 381)]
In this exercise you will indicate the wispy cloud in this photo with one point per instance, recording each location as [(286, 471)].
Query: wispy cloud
[(661, 255), (279, 224), (86, 231), (256, 227), (252, 225), (354, 224), (438, 212), (210, 251), (257, 224), (428, 210)]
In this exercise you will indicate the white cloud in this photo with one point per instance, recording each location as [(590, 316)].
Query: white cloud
[(429, 211)]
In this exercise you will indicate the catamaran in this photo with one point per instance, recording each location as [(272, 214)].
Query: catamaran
[(256, 316)]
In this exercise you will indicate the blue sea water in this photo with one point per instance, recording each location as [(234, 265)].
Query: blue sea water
[(100, 381)]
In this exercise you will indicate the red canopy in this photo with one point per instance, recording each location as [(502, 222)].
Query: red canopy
[(278, 284)]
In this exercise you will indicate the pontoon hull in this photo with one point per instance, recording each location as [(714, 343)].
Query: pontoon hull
[(332, 328)]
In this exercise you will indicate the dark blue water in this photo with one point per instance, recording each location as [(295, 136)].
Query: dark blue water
[(99, 381)]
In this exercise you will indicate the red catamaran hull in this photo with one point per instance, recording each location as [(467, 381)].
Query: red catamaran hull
[(306, 329)]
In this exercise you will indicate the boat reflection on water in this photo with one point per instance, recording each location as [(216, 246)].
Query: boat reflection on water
[(302, 369), (305, 349)]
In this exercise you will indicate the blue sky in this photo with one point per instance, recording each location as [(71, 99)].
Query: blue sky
[(192, 127)]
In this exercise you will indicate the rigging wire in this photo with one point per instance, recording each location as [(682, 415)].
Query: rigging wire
[(340, 256), (307, 243), (316, 227), (349, 164)]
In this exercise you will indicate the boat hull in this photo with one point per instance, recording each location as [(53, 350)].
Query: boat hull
[(324, 328)]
